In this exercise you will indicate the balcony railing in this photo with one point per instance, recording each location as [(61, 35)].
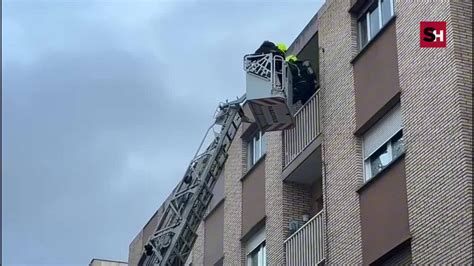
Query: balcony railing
[(306, 246), (307, 128)]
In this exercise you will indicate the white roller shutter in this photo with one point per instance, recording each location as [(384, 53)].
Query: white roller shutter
[(255, 241)]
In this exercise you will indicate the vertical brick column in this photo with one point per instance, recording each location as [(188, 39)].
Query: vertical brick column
[(274, 199), (461, 17), (233, 203), (436, 106), (341, 149)]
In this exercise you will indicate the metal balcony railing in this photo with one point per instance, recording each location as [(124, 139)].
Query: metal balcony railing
[(307, 128), (306, 246)]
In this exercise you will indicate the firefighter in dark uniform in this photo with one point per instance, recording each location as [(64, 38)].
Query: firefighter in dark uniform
[(304, 79), (269, 47)]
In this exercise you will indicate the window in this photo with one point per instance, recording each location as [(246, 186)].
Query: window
[(383, 143), (385, 155), (258, 256), (373, 19), (257, 147), (255, 249)]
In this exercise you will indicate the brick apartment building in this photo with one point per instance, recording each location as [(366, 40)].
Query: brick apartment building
[(378, 169)]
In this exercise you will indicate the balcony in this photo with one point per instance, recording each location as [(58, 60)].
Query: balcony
[(306, 246), (301, 144)]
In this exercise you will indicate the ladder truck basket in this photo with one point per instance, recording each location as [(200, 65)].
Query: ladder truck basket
[(269, 90)]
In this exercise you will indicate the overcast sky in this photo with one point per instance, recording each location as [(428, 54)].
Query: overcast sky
[(104, 104)]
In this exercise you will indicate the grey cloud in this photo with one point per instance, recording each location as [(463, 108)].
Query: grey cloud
[(71, 138), (71, 123)]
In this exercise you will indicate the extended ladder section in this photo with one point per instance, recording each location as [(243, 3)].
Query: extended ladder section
[(175, 234), (268, 95), (269, 90)]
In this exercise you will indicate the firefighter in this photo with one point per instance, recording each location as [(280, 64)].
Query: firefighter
[(303, 77), (291, 58), (282, 47), (269, 47)]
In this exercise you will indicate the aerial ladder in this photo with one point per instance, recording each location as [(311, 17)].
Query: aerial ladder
[(267, 95)]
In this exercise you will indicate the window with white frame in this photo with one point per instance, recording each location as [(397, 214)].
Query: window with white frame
[(371, 21), (258, 256), (257, 147), (383, 143), (255, 249)]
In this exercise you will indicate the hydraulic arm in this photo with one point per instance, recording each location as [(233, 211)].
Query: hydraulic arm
[(269, 90), (175, 234)]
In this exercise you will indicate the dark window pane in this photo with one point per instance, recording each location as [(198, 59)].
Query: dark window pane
[(257, 256), (386, 11), (374, 22), (254, 258), (363, 31)]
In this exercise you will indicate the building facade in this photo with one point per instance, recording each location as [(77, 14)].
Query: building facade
[(378, 169)]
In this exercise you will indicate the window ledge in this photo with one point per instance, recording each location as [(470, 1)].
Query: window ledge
[(356, 6), (254, 229), (253, 167), (379, 174), (371, 41), (404, 243)]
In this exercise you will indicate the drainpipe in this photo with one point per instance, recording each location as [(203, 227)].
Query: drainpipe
[(323, 147)]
